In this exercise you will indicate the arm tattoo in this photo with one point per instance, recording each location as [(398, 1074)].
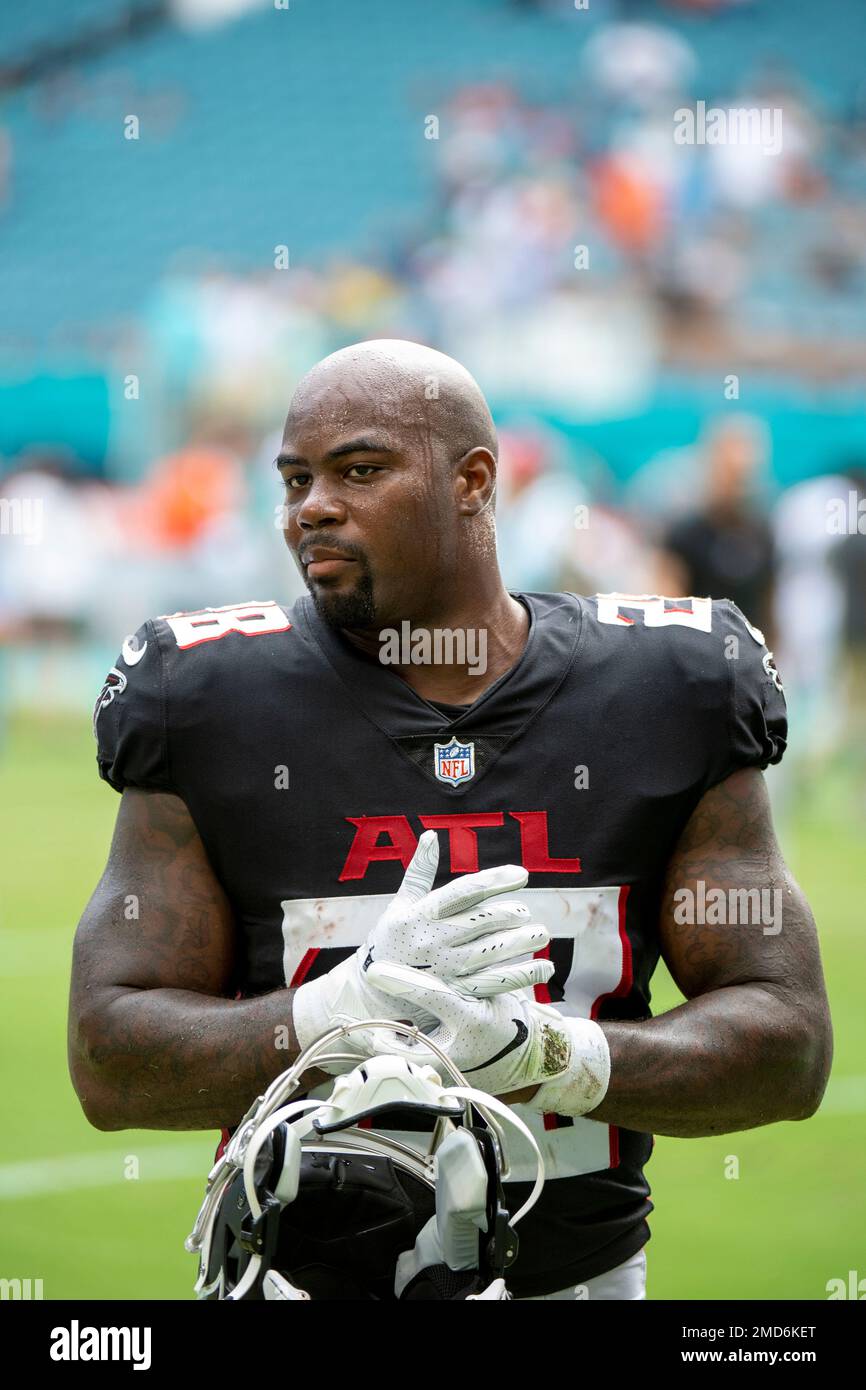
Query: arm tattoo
[(753, 1044), (154, 1041)]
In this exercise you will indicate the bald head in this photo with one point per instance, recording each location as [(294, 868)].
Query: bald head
[(409, 386)]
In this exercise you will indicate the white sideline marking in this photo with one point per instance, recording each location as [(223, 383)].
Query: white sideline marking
[(157, 1163)]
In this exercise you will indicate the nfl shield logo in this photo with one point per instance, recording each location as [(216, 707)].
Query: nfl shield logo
[(454, 762)]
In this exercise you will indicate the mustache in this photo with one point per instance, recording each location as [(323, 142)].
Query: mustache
[(346, 550)]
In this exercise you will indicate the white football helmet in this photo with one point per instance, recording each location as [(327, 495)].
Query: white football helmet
[(306, 1203)]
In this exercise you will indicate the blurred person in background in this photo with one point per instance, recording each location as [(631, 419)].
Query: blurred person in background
[(536, 500), (43, 588), (56, 539), (611, 553), (192, 510), (724, 547), (808, 618)]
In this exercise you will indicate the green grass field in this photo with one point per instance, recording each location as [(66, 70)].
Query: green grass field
[(75, 1214)]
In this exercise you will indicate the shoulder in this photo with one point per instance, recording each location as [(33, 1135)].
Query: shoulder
[(695, 654), (697, 630), (175, 671), (206, 627), (208, 646)]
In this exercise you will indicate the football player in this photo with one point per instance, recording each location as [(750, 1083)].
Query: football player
[(269, 872)]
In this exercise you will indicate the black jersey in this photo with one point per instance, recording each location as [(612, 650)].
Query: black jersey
[(310, 770)]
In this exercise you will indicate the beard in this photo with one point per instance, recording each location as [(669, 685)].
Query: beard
[(354, 610)]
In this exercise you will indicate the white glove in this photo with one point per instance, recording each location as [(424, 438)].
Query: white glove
[(584, 1085), (455, 931), (428, 928), (501, 1044)]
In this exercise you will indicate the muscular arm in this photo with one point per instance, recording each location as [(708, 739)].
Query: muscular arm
[(154, 1043), (754, 1042)]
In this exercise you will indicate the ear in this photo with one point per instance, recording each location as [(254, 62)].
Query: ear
[(475, 481)]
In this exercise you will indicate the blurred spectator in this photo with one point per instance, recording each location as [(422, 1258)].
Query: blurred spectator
[(809, 623), (724, 548), (638, 64), (535, 502), (55, 545)]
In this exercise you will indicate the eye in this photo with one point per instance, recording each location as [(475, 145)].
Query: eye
[(369, 467), (294, 478)]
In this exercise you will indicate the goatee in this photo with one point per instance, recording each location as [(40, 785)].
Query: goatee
[(354, 610)]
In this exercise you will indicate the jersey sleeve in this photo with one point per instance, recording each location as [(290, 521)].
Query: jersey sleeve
[(757, 715), (130, 719)]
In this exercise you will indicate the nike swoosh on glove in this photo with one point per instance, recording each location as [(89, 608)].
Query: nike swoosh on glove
[(501, 1044), (453, 928)]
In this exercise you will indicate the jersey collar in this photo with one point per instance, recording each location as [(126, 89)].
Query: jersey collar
[(506, 706)]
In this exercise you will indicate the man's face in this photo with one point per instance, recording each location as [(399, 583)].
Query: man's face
[(734, 460), (368, 497)]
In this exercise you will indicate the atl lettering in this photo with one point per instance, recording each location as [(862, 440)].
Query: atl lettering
[(381, 838)]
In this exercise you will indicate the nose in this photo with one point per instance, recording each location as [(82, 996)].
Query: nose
[(321, 506)]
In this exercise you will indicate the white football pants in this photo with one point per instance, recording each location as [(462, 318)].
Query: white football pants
[(627, 1281)]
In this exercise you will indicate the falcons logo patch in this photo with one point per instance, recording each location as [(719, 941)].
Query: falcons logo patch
[(115, 684)]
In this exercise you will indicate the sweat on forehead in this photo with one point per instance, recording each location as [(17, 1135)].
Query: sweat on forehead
[(399, 383)]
